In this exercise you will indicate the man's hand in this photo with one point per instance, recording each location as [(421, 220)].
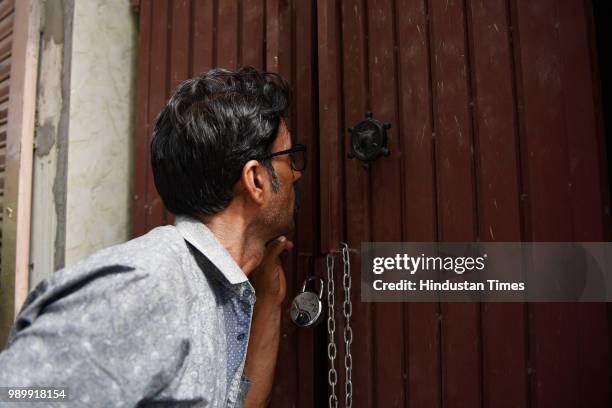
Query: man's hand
[(270, 287), (269, 278)]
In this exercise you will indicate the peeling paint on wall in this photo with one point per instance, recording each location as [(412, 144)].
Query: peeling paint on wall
[(48, 140)]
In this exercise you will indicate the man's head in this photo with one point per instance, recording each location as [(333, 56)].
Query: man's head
[(212, 144)]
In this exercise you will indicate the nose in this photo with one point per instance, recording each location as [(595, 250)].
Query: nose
[(296, 175)]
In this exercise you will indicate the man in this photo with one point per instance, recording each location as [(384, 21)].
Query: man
[(165, 319)]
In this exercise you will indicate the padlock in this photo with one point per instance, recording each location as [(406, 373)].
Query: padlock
[(307, 307)]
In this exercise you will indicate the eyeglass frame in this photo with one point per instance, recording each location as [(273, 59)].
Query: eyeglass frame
[(294, 149)]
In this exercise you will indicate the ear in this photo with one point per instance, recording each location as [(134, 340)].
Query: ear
[(255, 181)]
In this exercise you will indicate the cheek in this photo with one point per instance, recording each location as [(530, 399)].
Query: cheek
[(286, 181)]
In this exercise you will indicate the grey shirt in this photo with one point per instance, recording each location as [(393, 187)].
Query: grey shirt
[(161, 320)]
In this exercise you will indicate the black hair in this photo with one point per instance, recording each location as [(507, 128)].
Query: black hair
[(208, 130)]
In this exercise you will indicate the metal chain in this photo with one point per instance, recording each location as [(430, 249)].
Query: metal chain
[(347, 309), (331, 331)]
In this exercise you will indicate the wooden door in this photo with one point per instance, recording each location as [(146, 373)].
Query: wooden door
[(494, 137)]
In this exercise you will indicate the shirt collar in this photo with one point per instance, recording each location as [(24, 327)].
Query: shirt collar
[(203, 239)]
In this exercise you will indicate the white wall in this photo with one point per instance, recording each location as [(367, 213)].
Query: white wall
[(100, 133), (97, 175)]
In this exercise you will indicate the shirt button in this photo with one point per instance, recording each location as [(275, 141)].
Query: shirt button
[(240, 337), (247, 292)]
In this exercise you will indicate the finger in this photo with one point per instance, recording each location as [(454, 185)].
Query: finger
[(288, 244), (277, 246)]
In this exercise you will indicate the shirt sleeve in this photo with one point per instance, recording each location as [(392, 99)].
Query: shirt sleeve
[(110, 336)]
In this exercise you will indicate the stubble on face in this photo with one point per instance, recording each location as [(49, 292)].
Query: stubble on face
[(279, 215)]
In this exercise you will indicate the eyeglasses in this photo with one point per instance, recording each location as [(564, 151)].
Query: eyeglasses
[(297, 154)]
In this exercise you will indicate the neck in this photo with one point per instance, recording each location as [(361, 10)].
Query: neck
[(245, 246)]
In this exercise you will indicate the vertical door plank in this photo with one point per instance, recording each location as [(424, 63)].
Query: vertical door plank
[(286, 43), (357, 189), (252, 33), (179, 43), (581, 122), (386, 199), (421, 320), (457, 217), (286, 381), (585, 189), (141, 138), (158, 91), (228, 40), (330, 124), (272, 35), (202, 58), (179, 54), (304, 121), (554, 332), (503, 325), (331, 153), (307, 230), (296, 25)]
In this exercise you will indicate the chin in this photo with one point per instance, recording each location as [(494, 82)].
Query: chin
[(289, 228)]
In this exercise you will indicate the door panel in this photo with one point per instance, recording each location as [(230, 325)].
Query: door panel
[(495, 137), (490, 141)]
